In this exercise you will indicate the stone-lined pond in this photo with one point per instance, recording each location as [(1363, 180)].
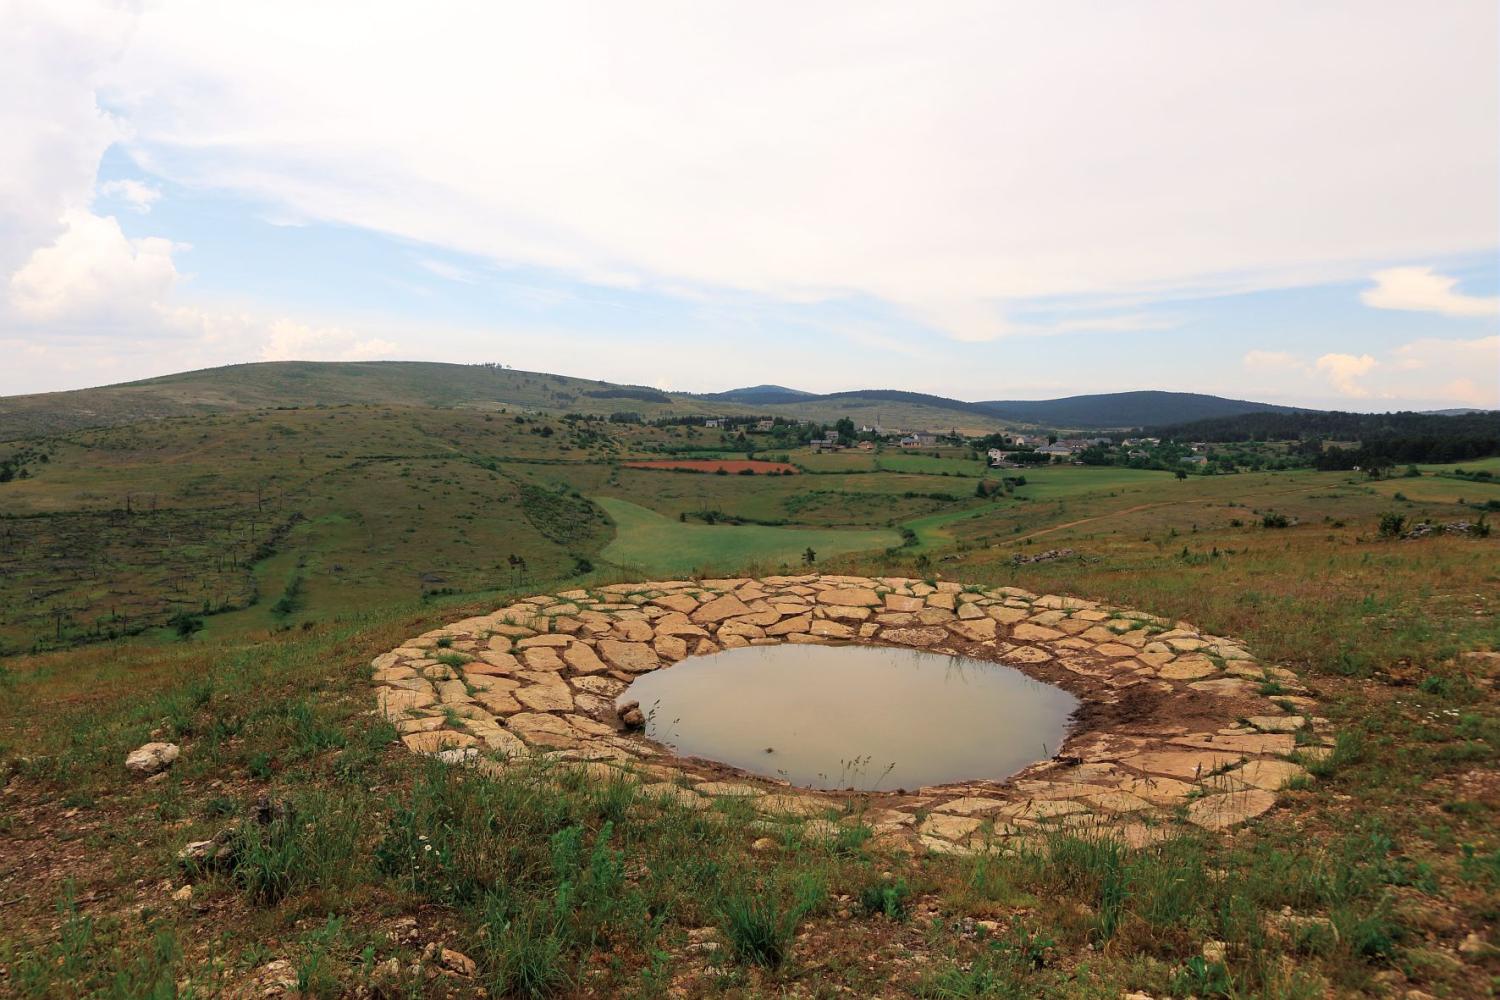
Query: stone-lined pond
[(864, 717)]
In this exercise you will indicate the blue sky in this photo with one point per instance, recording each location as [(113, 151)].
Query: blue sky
[(716, 199)]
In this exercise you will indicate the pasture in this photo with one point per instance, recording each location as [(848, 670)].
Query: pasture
[(656, 545)]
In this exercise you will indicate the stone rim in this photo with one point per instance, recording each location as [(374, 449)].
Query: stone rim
[(1172, 727)]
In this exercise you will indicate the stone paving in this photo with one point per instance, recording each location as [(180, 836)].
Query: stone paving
[(1176, 727)]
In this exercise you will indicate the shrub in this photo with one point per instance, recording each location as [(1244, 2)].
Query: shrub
[(1274, 520), (1391, 524)]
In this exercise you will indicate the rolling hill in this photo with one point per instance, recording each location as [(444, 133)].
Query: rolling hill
[(267, 385)]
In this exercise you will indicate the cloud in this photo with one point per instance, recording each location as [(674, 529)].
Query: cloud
[(92, 270), (137, 194), (1421, 289), (1343, 370), (1272, 361), (443, 269), (53, 57), (942, 159), (288, 340)]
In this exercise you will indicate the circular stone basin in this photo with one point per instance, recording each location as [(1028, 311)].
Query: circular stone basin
[(863, 717)]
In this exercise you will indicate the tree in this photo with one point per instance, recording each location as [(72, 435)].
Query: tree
[(845, 429), (809, 556), (1181, 473)]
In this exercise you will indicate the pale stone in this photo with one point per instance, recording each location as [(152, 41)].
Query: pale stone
[(437, 740), (1187, 668), (976, 630), (1277, 723), (1186, 764), (539, 641), (540, 729), (151, 758), (914, 636), (633, 657), (499, 702), (633, 631), (801, 623), (970, 805), (545, 698), (719, 609), (1219, 812), (728, 788), (682, 603), (678, 624), (850, 597), (394, 703), (832, 629), (895, 602), (1027, 632), (670, 647), (582, 658), (492, 662), (1269, 775), (795, 805), (949, 827), (542, 658)]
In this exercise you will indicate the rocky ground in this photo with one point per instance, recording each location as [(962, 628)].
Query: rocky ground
[(1177, 727)]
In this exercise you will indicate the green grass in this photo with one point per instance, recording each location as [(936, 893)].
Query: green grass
[(660, 545)]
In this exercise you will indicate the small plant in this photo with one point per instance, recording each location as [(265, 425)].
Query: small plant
[(1200, 977), (759, 928), (888, 897)]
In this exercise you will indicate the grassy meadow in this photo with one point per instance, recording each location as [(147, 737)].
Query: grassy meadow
[(304, 542)]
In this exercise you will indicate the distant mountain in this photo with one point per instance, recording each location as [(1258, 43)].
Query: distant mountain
[(1144, 408), (429, 384), (759, 394)]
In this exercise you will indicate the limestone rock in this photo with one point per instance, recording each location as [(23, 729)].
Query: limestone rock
[(633, 657), (719, 609), (152, 758), (1219, 812)]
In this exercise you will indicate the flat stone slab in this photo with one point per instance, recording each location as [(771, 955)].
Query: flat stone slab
[(1188, 739)]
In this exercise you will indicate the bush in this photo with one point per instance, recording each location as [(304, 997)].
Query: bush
[(1391, 524), (1274, 520)]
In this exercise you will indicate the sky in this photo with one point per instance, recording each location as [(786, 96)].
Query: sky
[(1284, 201)]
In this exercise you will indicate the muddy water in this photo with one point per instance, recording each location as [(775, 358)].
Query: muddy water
[(863, 717)]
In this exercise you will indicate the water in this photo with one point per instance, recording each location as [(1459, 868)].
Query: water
[(862, 717)]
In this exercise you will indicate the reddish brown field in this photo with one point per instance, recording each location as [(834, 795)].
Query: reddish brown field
[(731, 466)]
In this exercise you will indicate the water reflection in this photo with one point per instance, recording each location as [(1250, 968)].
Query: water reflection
[(866, 717)]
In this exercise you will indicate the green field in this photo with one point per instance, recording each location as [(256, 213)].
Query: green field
[(657, 545)]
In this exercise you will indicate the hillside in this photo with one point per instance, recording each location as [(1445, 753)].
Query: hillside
[(271, 384), (1128, 409), (760, 394)]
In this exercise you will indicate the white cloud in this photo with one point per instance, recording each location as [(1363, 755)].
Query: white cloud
[(92, 270), (443, 269), (1258, 360), (137, 194), (1344, 371), (288, 340), (1421, 289), (52, 58), (947, 159)]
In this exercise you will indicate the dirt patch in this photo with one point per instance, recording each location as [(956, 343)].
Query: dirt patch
[(733, 467)]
